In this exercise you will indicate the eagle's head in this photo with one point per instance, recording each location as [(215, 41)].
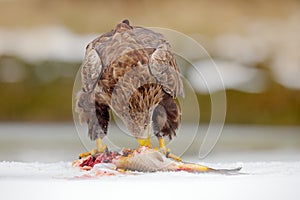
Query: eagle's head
[(142, 106), (140, 123)]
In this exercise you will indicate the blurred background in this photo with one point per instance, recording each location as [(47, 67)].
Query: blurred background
[(255, 44)]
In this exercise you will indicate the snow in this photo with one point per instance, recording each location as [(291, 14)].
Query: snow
[(272, 43), (270, 157), (258, 180), (44, 43), (234, 76)]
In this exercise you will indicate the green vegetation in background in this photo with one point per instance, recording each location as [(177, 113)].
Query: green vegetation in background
[(276, 106), (42, 99), (43, 94)]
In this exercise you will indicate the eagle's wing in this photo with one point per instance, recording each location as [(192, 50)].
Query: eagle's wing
[(89, 105), (91, 70), (164, 68)]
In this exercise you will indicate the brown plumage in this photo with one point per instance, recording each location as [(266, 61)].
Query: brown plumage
[(132, 71)]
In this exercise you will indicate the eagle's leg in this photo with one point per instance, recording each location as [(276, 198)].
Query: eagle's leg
[(101, 148), (165, 121), (98, 126), (145, 141), (162, 145)]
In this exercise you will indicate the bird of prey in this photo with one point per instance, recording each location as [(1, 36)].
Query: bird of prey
[(130, 70)]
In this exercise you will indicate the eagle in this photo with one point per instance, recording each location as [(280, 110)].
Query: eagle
[(132, 71)]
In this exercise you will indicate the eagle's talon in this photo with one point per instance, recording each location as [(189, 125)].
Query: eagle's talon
[(174, 157), (100, 149), (166, 151), (106, 150), (85, 154), (94, 152), (167, 154)]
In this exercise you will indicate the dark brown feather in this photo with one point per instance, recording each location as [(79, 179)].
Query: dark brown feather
[(166, 117)]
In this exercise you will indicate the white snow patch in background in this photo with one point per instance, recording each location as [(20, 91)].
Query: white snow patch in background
[(286, 68), (272, 43), (44, 43), (239, 48), (207, 76), (276, 43)]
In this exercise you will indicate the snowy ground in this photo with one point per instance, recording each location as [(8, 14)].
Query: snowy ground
[(259, 180), (270, 161)]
